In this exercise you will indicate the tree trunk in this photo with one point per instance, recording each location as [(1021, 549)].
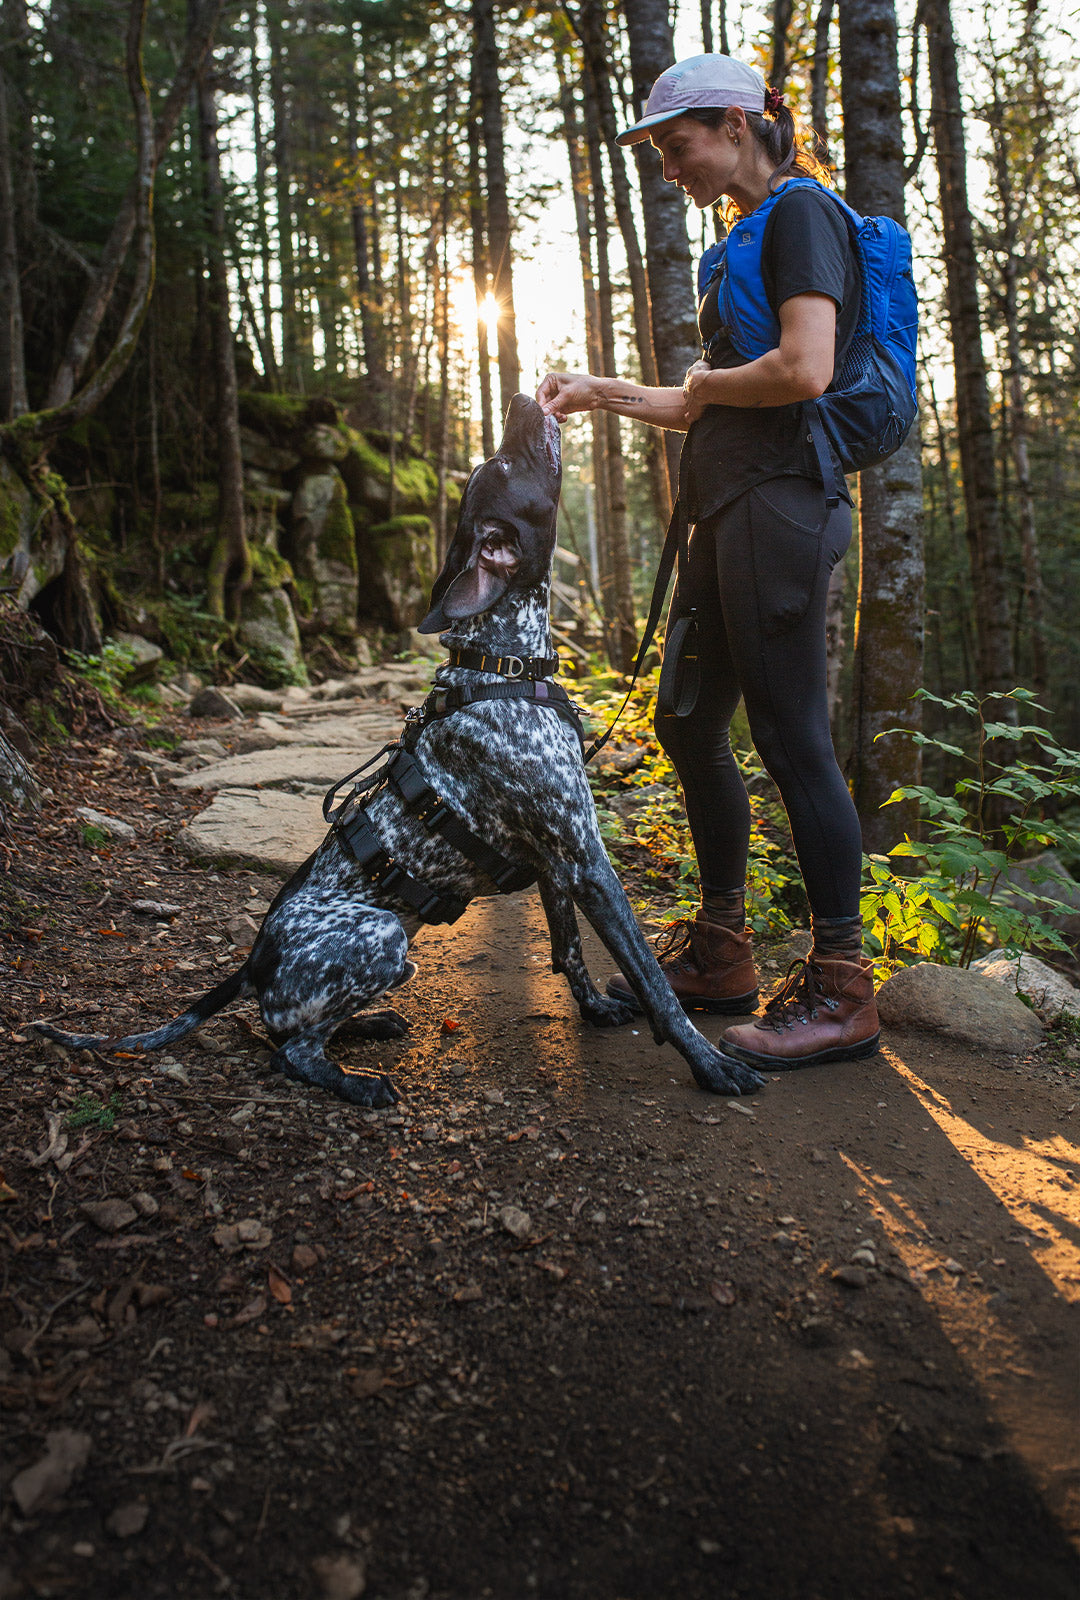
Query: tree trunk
[(819, 72), (667, 247), (498, 207), (279, 100), (128, 223), (590, 27), (230, 558), (889, 623), (480, 275), (781, 23), (370, 326), (265, 330), (985, 535), (618, 593), (13, 399)]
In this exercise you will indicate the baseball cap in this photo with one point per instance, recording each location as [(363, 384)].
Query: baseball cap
[(696, 84)]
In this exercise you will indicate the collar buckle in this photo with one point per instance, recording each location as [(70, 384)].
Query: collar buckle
[(511, 667)]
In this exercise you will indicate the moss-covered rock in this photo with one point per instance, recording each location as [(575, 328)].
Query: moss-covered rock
[(32, 543), (366, 471), (274, 414), (269, 634), (323, 548), (397, 567)]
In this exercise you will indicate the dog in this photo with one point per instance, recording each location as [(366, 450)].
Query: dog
[(335, 941)]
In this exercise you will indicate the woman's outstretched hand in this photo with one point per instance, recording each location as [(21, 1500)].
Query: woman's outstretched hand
[(564, 392)]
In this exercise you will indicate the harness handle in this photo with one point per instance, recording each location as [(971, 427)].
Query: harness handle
[(328, 797)]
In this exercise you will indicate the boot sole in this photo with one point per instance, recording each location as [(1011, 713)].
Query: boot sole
[(844, 1052), (742, 1006)]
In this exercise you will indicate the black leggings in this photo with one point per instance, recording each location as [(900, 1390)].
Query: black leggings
[(758, 576)]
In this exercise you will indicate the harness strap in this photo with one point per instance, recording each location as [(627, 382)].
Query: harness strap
[(824, 454), (442, 701), (355, 828), (529, 667), (429, 808)]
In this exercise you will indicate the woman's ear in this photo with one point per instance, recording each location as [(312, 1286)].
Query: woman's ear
[(735, 122)]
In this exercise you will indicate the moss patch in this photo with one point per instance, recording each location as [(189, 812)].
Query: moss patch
[(337, 541), (273, 413)]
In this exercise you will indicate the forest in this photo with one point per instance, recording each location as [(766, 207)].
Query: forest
[(270, 273)]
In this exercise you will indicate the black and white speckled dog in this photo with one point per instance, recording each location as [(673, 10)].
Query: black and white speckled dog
[(333, 941)]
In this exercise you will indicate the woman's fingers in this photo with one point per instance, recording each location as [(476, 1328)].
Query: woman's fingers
[(560, 393)]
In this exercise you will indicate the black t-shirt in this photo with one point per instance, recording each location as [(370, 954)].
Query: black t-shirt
[(806, 249)]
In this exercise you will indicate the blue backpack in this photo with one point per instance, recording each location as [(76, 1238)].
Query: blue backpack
[(868, 411)]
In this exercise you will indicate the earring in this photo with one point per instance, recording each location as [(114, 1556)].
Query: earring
[(735, 139)]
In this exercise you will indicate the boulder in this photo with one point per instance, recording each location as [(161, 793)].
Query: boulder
[(214, 703), (324, 548), (258, 452), (268, 632), (959, 1004), (143, 655), (32, 543), (323, 442), (253, 697), (1049, 992), (397, 568), (264, 829)]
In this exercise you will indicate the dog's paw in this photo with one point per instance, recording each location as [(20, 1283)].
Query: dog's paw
[(603, 1012), (374, 1026), (365, 1089), (722, 1074)]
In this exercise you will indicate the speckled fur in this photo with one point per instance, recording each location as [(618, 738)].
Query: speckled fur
[(332, 943)]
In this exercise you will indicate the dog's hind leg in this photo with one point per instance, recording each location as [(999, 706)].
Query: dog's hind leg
[(600, 895), (566, 957), (319, 984), (303, 1058)]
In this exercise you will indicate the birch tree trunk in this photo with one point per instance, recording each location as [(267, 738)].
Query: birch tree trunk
[(985, 535), (888, 660), (499, 231)]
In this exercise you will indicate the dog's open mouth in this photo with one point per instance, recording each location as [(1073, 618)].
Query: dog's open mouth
[(498, 555)]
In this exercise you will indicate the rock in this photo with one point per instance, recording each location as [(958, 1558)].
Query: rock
[(851, 1277), (304, 1258), (255, 1234), (128, 1519), (144, 656), (214, 704), (202, 747), (1049, 992), (110, 825), (267, 830), (863, 1257), (342, 1577), (324, 544), (242, 930), (288, 764), (324, 443), (516, 1222), (953, 1268), (38, 1487), (397, 567), (253, 697), (257, 451), (145, 1204), (960, 1004), (162, 909), (109, 1215), (268, 629)]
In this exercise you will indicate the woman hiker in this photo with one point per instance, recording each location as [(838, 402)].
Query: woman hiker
[(763, 545)]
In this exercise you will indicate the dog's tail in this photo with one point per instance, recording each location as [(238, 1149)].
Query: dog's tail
[(178, 1028)]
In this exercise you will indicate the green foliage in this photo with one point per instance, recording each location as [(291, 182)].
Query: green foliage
[(659, 828), (94, 837), (1005, 807), (90, 1112), (107, 671)]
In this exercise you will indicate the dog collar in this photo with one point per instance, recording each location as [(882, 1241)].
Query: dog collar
[(528, 667)]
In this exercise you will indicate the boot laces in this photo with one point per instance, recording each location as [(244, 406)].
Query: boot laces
[(675, 945), (797, 998)]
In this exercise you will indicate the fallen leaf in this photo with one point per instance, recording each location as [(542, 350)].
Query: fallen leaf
[(279, 1286), (248, 1313), (109, 1215), (200, 1413), (368, 1381), (450, 1025), (110, 933)]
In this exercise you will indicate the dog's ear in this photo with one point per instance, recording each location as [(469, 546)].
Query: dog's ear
[(457, 557)]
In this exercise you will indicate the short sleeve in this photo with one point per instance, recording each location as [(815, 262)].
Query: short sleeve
[(807, 248)]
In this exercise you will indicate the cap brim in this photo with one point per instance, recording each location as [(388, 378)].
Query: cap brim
[(641, 130)]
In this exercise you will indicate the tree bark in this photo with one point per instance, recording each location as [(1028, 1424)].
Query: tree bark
[(667, 247), (13, 397), (498, 207), (985, 535), (370, 325), (618, 592), (279, 101), (819, 72), (888, 661), (230, 560), (781, 23), (264, 332), (480, 274), (102, 286)]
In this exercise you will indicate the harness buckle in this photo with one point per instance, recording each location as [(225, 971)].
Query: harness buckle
[(511, 667)]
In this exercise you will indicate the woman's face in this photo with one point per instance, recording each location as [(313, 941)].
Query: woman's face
[(701, 160)]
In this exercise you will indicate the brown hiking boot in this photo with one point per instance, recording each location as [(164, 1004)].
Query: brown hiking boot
[(823, 1011), (709, 967)]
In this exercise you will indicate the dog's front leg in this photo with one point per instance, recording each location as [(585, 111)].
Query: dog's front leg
[(566, 957), (601, 897)]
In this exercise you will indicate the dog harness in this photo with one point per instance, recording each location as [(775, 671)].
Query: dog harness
[(353, 824)]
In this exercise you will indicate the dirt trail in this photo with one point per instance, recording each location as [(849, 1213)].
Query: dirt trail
[(651, 1384)]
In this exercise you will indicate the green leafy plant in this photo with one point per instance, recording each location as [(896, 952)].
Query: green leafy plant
[(94, 837), (1000, 812), (90, 1112), (107, 671)]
